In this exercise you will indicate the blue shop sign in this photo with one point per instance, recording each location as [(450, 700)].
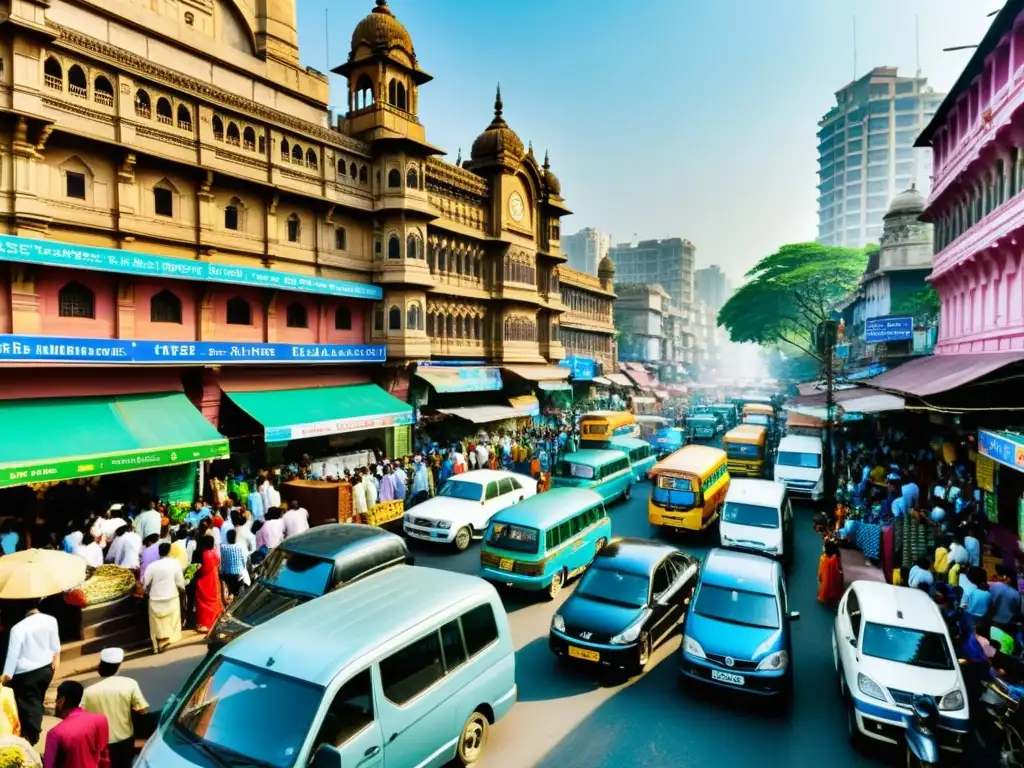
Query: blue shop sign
[(581, 368), (878, 330), (25, 250), (58, 349), (1005, 449)]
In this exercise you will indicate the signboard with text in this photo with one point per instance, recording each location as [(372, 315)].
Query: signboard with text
[(878, 330), (337, 426), (581, 368), (59, 349), (1001, 448)]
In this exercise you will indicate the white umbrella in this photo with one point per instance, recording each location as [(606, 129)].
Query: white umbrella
[(37, 573)]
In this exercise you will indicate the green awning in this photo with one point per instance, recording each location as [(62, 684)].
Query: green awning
[(67, 438), (291, 414)]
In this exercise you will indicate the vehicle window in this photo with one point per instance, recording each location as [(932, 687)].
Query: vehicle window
[(794, 459), (570, 469), (451, 643), (662, 579), (906, 646), (607, 585), (515, 483), (736, 606), (757, 419), (753, 515), (576, 524), (297, 573), (505, 486), (479, 628), (853, 612), (741, 451), (492, 490), (551, 539), (229, 692), (405, 674), (565, 530), (349, 713), (515, 538), (685, 568), (462, 489)]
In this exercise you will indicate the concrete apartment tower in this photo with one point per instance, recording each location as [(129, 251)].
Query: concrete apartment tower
[(586, 249)]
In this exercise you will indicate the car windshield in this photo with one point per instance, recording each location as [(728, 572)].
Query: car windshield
[(608, 585), (757, 419), (296, 572), (795, 459), (462, 489), (736, 606), (674, 492), (570, 469), (906, 646), (750, 514), (514, 538), (228, 695)]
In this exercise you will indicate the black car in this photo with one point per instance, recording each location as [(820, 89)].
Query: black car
[(631, 598), (307, 566)]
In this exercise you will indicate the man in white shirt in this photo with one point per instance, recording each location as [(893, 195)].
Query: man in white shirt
[(243, 531), (33, 655), (272, 532), (89, 550), (129, 553), (164, 584), (269, 495), (296, 520), (149, 522), (104, 528)]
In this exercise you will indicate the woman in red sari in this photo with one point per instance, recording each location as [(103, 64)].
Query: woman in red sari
[(208, 592), (830, 575)]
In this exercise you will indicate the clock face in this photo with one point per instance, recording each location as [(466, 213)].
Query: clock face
[(516, 207)]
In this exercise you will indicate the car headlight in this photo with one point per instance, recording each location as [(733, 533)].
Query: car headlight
[(952, 701), (629, 635), (444, 524), (869, 687), (774, 662), (558, 623), (693, 648)]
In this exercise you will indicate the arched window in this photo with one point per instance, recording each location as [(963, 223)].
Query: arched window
[(296, 316), (77, 84), (342, 319), (410, 247), (297, 154), (340, 239), (467, 327), (249, 139), (430, 325), (449, 327), (284, 149), (218, 128), (394, 247), (53, 74), (353, 171), (432, 258), (294, 228), (239, 312), (103, 91), (311, 160), (393, 93), (164, 113), (143, 106), (163, 201), (458, 327), (442, 259), (363, 93), (364, 175), (394, 319), (414, 318), (479, 328), (165, 307), (394, 178), (231, 217), (412, 180), (184, 118), (342, 168), (262, 145), (378, 318), (401, 102), (75, 300)]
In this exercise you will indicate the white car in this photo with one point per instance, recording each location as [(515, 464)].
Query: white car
[(798, 464), (891, 644), (465, 504)]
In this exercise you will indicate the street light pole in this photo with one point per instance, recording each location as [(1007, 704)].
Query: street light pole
[(828, 477)]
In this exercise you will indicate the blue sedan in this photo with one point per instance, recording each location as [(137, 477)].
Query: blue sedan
[(737, 634)]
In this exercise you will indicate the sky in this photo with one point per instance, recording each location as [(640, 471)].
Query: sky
[(663, 118)]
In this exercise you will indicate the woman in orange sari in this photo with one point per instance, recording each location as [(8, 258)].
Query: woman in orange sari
[(208, 592), (830, 575)]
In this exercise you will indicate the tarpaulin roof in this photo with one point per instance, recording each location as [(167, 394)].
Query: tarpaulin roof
[(942, 373), (485, 414), (539, 372), (619, 380)]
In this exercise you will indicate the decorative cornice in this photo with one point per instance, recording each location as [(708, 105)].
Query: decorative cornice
[(453, 176), (168, 77)]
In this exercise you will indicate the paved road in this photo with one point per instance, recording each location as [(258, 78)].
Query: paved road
[(567, 718)]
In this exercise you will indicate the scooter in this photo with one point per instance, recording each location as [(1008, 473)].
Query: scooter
[(922, 739)]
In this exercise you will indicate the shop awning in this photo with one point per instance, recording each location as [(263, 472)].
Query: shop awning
[(661, 394), (68, 438), (539, 372), (461, 379), (555, 386), (485, 414), (292, 414), (527, 404), (602, 381), (644, 400), (619, 380), (851, 400), (942, 373), (643, 379)]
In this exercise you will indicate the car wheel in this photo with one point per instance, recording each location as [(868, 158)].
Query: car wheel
[(473, 739), (645, 653), (852, 731), (557, 582), (628, 493), (463, 538)]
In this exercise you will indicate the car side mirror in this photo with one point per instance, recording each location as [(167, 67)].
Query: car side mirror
[(794, 615), (852, 641), (326, 756)]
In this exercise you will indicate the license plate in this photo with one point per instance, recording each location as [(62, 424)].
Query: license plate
[(583, 653), (505, 564), (726, 677)]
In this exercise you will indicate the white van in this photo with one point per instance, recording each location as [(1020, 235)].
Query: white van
[(758, 517), (410, 666), (798, 464)]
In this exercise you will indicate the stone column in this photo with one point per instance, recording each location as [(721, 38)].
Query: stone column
[(26, 312)]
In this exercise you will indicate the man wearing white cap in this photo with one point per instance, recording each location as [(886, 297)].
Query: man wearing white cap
[(118, 698)]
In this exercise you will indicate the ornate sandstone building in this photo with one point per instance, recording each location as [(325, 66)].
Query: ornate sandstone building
[(170, 173)]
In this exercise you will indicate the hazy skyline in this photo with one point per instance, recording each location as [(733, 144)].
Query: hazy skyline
[(694, 119)]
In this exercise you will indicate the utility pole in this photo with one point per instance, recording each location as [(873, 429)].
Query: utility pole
[(827, 336)]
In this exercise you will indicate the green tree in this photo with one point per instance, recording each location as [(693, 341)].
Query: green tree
[(923, 305), (790, 292)]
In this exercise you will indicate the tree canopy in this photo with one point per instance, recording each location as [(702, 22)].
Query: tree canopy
[(923, 305), (790, 292)]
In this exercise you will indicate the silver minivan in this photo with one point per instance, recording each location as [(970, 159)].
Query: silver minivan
[(758, 517), (409, 667)]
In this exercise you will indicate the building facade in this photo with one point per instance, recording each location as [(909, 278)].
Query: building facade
[(712, 287), (587, 328), (586, 249), (640, 312), (866, 153), (670, 263)]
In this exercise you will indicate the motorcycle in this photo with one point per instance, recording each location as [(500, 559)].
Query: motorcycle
[(1001, 705), (922, 738)]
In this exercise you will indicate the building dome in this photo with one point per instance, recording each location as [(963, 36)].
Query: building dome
[(553, 184), (498, 144), (906, 203), (380, 29), (606, 269)]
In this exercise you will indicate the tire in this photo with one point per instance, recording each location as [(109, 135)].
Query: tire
[(557, 582), (473, 739), (853, 733), (628, 493), (462, 539), (644, 657)]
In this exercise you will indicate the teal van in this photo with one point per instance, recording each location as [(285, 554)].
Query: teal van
[(409, 666), (609, 472), (541, 543), (641, 454), (668, 441)]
